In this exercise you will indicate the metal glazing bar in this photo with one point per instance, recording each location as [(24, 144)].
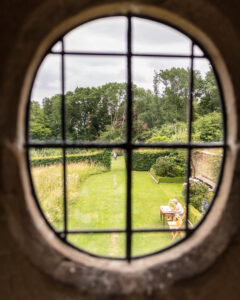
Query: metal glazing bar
[(123, 145), (179, 145), (189, 152), (129, 141), (163, 55), (63, 94), (65, 214), (138, 230), (63, 139), (88, 53)]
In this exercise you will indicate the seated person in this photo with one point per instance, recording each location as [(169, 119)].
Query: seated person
[(177, 207)]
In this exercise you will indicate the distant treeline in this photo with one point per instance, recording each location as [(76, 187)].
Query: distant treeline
[(99, 113)]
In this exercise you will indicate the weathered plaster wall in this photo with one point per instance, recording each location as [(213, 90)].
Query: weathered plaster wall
[(21, 32)]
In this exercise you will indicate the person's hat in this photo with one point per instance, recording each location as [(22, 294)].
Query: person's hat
[(174, 201)]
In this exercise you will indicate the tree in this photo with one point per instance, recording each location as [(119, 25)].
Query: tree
[(38, 128), (208, 128), (172, 86), (209, 99)]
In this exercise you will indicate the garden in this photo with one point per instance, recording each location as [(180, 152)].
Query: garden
[(96, 192), (96, 182)]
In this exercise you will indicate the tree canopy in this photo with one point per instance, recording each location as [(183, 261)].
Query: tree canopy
[(99, 113)]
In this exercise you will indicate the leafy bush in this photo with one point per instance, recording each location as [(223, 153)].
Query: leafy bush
[(167, 179), (158, 139), (208, 128), (143, 160), (111, 134), (173, 132), (172, 165), (194, 215), (198, 193), (100, 157)]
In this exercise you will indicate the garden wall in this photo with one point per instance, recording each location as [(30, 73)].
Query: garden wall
[(206, 166)]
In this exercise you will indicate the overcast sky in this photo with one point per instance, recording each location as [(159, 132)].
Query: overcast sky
[(109, 34)]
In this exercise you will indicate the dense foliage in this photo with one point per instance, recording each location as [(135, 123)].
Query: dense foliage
[(100, 157), (143, 160), (98, 113), (194, 215), (172, 165), (199, 195)]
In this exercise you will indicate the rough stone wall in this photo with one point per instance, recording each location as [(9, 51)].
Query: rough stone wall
[(206, 165), (19, 278)]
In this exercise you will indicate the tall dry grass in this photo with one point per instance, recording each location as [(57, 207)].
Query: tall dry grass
[(48, 183)]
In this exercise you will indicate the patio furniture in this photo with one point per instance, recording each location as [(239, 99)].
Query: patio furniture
[(165, 211)]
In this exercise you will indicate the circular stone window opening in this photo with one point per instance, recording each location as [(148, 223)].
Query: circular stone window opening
[(125, 137)]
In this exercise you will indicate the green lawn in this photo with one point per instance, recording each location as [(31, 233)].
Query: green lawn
[(98, 202), (101, 204)]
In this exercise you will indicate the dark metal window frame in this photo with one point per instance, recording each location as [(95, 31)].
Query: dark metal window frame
[(127, 145)]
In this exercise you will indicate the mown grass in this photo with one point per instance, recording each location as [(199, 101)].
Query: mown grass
[(97, 200)]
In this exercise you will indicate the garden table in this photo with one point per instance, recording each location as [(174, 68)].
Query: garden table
[(165, 211)]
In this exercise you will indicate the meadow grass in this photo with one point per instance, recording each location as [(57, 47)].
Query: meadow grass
[(97, 200), (48, 182)]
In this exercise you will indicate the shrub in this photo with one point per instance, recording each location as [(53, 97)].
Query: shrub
[(194, 215), (174, 132), (167, 179), (198, 193), (172, 165), (100, 157), (158, 139), (208, 128), (143, 160)]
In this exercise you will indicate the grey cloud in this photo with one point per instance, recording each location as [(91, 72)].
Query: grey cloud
[(110, 35)]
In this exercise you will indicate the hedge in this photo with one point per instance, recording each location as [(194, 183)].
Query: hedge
[(143, 160), (167, 179), (101, 157), (194, 215), (171, 179)]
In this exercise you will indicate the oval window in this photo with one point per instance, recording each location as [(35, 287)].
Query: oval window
[(125, 137)]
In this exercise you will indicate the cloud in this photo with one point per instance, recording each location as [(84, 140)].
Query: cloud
[(48, 80), (109, 34), (154, 37), (94, 71)]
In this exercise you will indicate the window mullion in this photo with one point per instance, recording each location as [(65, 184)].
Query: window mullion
[(63, 129), (189, 120), (129, 142)]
